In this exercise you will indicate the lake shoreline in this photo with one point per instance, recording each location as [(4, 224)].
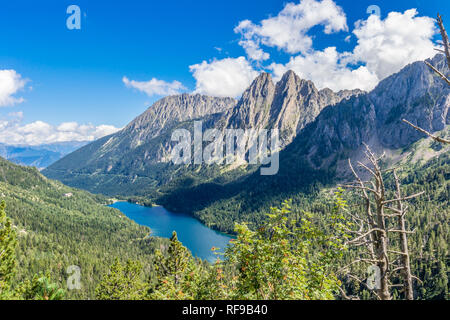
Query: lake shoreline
[(194, 234), (179, 212)]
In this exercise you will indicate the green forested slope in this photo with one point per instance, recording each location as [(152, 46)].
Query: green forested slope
[(301, 245), (429, 215), (56, 230)]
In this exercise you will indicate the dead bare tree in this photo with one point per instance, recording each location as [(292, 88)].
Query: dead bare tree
[(446, 45), (446, 51), (405, 266), (373, 232), (374, 228)]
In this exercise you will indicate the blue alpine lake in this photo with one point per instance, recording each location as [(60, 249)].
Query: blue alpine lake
[(191, 232)]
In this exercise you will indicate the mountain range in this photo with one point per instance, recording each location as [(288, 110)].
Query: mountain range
[(40, 156), (319, 131), (137, 157), (59, 226)]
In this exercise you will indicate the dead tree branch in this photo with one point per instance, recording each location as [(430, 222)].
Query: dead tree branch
[(436, 138), (446, 51), (440, 74), (444, 38), (373, 234)]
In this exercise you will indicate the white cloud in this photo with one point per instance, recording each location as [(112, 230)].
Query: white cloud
[(383, 48), (10, 83), (13, 132), (386, 46), (155, 86), (67, 126), (288, 30), (223, 78), (253, 51), (326, 71), (104, 130)]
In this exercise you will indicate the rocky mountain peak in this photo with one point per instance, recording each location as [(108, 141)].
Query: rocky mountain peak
[(415, 93), (289, 105), (291, 78), (252, 110), (170, 110), (262, 86), (298, 102)]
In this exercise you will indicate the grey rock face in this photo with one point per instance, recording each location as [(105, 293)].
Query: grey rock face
[(415, 94), (345, 126), (173, 109), (252, 110), (160, 117), (288, 106), (297, 102)]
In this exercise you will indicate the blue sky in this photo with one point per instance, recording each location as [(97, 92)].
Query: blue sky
[(78, 75)]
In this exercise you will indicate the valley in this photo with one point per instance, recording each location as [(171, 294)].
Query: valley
[(135, 161), (55, 231), (60, 226), (239, 156)]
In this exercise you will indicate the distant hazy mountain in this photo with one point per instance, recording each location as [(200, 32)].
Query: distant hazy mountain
[(38, 156)]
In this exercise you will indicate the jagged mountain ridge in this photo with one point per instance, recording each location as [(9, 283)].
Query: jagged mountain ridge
[(318, 155), (415, 93), (325, 128), (173, 109), (289, 105), (132, 153)]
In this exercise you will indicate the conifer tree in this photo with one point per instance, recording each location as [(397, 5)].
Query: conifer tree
[(7, 252), (286, 259), (123, 282), (40, 288), (177, 274)]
